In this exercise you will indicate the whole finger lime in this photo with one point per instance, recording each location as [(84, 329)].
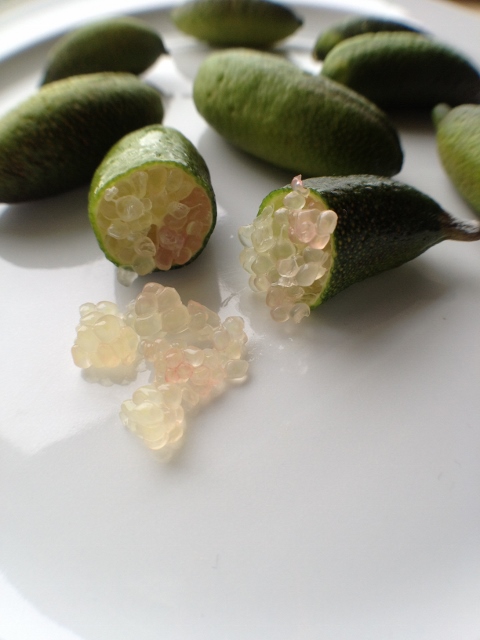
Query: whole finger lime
[(55, 140), (237, 23), (304, 123), (116, 44)]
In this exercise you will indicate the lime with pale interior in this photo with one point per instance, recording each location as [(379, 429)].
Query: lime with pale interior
[(151, 202), (314, 238)]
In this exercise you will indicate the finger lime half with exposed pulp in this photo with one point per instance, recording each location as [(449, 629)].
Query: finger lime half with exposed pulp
[(151, 202), (314, 238)]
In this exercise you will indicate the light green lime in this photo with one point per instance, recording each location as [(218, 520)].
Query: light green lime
[(115, 44), (354, 26), (151, 202), (238, 23), (55, 140), (403, 70), (458, 144), (306, 124)]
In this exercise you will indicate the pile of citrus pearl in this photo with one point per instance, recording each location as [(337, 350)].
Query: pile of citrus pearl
[(154, 219), (192, 354), (103, 340), (287, 252)]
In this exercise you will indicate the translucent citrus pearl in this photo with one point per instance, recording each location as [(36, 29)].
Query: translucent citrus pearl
[(287, 252), (192, 351)]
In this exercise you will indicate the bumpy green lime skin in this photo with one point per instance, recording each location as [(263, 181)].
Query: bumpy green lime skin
[(403, 70), (353, 27), (139, 150), (238, 23), (458, 144), (382, 224), (55, 140), (116, 44), (306, 124)]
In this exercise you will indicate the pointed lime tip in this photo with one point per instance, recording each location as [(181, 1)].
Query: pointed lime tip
[(463, 231), (439, 112)]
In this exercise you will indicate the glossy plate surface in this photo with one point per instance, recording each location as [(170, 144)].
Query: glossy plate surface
[(335, 494)]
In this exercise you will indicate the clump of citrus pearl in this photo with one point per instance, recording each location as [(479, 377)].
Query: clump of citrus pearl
[(287, 252), (155, 218), (103, 339), (191, 352)]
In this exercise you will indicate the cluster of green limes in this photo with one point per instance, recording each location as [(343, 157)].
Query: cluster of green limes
[(151, 202), (398, 66)]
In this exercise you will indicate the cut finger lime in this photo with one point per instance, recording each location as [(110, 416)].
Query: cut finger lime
[(151, 202), (315, 238)]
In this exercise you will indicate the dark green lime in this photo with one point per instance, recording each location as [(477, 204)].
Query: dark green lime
[(55, 140), (403, 70), (116, 44)]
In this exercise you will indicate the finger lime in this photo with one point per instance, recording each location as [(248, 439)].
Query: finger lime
[(403, 70), (315, 238), (55, 140), (355, 26), (307, 124), (239, 23), (151, 202), (458, 144), (116, 44)]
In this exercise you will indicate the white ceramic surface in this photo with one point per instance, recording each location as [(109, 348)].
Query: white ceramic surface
[(335, 495)]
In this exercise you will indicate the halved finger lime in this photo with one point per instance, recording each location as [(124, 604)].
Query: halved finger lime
[(151, 202)]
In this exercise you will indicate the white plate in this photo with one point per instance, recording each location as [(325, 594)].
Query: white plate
[(334, 495)]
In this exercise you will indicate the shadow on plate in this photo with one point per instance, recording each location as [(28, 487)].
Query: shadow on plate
[(48, 233)]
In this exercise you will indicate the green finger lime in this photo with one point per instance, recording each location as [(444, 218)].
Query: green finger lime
[(355, 26), (55, 140), (115, 44), (306, 124), (239, 23), (403, 70), (458, 144), (315, 238), (151, 202)]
